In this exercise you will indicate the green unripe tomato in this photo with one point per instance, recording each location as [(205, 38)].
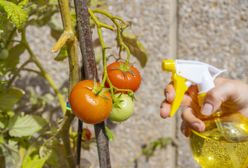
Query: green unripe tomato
[(4, 53), (123, 108)]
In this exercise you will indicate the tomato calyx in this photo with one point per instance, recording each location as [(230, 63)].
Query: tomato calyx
[(131, 94), (123, 108), (124, 68), (99, 90), (116, 100)]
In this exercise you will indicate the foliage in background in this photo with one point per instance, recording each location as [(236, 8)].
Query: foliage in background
[(28, 137)]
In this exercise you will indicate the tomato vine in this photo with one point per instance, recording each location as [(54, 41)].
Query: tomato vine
[(120, 25)]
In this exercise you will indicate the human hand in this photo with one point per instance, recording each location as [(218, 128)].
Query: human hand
[(231, 96)]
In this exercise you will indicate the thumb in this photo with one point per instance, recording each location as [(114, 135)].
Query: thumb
[(214, 98)]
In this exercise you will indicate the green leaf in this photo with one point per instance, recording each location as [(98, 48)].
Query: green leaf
[(23, 3), (10, 151), (4, 53), (9, 97), (55, 152), (136, 48), (2, 123), (1, 139), (61, 55), (5, 27), (149, 149), (109, 133), (11, 61), (14, 55), (27, 125), (14, 12), (33, 161), (32, 158)]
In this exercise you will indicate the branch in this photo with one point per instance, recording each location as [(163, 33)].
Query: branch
[(63, 39), (71, 42)]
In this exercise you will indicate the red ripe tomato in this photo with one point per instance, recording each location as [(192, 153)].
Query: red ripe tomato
[(88, 106), (123, 76), (86, 134)]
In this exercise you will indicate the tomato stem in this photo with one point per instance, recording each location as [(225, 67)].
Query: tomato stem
[(120, 25), (104, 48)]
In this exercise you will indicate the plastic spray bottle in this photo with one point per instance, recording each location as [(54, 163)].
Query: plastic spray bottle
[(224, 143)]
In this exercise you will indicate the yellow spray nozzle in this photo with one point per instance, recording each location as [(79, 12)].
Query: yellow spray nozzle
[(169, 65), (180, 89), (188, 72), (178, 82)]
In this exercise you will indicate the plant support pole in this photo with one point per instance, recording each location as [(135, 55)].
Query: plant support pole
[(89, 71), (79, 142)]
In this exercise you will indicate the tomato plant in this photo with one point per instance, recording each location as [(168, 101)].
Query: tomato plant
[(89, 105), (123, 108), (124, 76), (28, 136)]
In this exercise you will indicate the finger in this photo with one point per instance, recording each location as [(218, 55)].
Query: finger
[(244, 112), (170, 93), (192, 121), (216, 96), (185, 129), (165, 109), (187, 101), (166, 106)]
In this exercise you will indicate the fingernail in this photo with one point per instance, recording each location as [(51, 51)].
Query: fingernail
[(196, 126), (207, 109)]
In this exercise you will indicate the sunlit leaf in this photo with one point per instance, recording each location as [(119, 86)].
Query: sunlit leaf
[(33, 161), (5, 27), (15, 13), (25, 125), (9, 97), (1, 139), (136, 48), (23, 3)]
